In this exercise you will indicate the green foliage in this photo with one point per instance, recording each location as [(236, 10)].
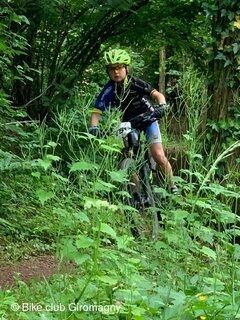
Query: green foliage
[(64, 182), (64, 38), (225, 17), (12, 45), (61, 187)]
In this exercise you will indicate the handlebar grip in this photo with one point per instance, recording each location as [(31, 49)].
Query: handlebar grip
[(148, 117), (159, 112)]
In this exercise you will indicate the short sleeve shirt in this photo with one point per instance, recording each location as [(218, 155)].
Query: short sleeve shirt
[(128, 99)]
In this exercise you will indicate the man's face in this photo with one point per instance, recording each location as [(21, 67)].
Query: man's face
[(117, 72)]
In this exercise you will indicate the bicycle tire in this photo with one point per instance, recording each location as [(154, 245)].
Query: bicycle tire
[(151, 199), (137, 192), (133, 189), (134, 200)]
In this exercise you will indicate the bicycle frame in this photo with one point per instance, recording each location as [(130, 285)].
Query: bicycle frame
[(130, 133), (140, 188)]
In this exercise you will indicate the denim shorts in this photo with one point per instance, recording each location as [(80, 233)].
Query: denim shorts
[(153, 134)]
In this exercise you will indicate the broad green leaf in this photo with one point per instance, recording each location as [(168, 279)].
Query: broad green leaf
[(129, 208), (236, 47), (159, 245), (124, 194), (36, 174), (52, 144), (118, 176), (172, 237), (81, 258), (108, 148), (99, 204), (214, 282), (82, 216), (61, 212), (172, 312), (123, 241), (83, 241), (209, 252), (44, 163), (237, 251), (52, 157), (3, 47), (58, 176), (168, 294), (137, 311), (227, 216), (105, 228), (47, 161), (180, 214), (134, 261), (218, 189), (83, 166), (203, 204), (162, 191), (220, 56), (44, 195), (67, 248), (101, 185), (204, 233), (155, 302), (237, 23), (108, 280)]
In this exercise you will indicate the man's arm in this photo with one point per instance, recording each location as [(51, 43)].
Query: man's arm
[(95, 117), (94, 121), (103, 100), (158, 97)]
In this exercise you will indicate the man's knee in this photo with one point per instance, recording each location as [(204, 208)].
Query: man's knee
[(159, 156)]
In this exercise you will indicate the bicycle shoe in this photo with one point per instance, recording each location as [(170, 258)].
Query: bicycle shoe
[(174, 190)]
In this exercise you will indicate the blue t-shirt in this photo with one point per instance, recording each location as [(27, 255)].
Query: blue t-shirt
[(127, 98)]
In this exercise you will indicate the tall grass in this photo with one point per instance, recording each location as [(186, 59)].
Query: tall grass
[(191, 272)]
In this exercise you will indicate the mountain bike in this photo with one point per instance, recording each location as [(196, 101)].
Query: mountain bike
[(140, 167)]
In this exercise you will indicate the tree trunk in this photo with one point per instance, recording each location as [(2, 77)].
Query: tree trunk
[(222, 94), (224, 84), (162, 70)]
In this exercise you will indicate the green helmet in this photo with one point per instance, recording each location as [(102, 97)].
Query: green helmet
[(117, 56)]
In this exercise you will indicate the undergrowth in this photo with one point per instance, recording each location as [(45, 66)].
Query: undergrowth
[(61, 191)]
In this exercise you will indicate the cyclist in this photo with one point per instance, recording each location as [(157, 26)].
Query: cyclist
[(126, 92)]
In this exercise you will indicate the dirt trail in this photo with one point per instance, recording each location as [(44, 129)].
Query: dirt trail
[(33, 268)]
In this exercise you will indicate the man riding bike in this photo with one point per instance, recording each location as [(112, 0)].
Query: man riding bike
[(126, 93)]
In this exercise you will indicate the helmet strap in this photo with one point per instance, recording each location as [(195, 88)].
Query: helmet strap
[(125, 82)]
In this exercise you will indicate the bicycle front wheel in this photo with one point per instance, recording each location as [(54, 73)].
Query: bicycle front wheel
[(148, 189), (132, 187)]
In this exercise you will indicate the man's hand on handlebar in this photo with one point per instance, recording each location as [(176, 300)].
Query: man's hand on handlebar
[(159, 111), (149, 117), (94, 130)]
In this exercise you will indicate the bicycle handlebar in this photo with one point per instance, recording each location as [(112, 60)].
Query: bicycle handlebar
[(148, 117)]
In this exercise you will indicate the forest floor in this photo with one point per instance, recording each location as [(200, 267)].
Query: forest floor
[(37, 268)]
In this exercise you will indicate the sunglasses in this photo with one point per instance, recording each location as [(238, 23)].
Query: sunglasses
[(116, 68)]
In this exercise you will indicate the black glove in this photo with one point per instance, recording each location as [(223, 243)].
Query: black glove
[(94, 130), (160, 110)]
